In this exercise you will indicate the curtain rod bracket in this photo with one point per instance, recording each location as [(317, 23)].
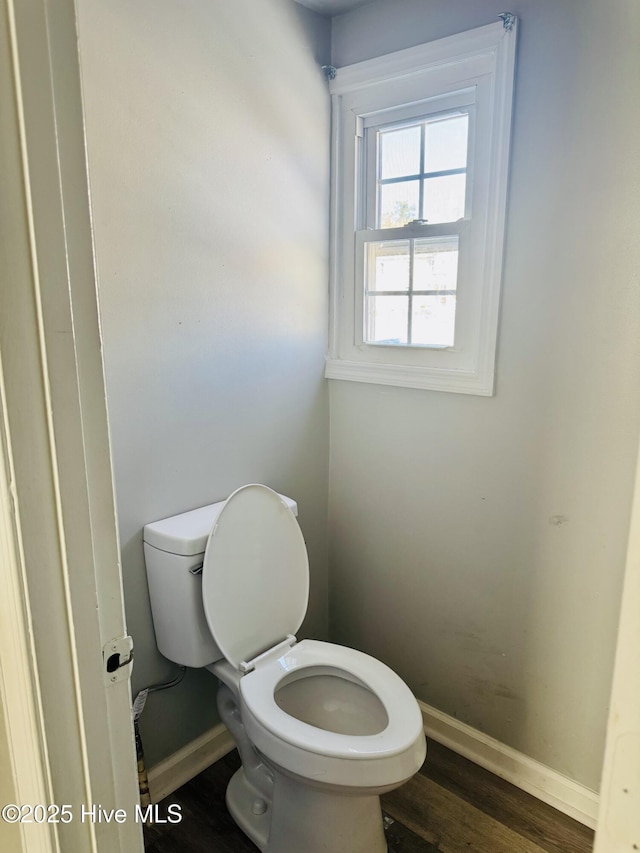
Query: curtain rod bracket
[(508, 20)]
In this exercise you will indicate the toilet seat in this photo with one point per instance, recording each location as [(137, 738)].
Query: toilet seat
[(255, 574), (404, 726)]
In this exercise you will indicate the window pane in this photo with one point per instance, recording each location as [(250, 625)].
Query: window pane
[(435, 264), (446, 143), (398, 204), (386, 319), (444, 198), (388, 265), (435, 267), (433, 320), (399, 152)]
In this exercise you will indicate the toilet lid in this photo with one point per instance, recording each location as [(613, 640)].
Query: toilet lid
[(255, 577)]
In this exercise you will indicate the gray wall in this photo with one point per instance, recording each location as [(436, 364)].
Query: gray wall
[(208, 139), (477, 544)]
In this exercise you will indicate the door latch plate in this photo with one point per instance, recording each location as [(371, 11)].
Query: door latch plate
[(117, 659)]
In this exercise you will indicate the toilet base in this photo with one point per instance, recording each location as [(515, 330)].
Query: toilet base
[(241, 799), (304, 818)]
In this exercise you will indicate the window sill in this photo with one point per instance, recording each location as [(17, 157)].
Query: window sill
[(426, 378)]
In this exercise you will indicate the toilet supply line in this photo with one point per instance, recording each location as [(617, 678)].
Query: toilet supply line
[(136, 711)]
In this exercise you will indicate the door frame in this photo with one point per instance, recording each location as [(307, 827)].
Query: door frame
[(69, 725), (618, 829)]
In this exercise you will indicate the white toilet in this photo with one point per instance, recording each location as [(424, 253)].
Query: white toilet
[(322, 730)]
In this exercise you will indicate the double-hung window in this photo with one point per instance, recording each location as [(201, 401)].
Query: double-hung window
[(421, 141)]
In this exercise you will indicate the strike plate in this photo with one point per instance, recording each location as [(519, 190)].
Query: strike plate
[(117, 659)]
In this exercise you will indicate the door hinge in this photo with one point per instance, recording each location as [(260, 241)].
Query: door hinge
[(117, 659)]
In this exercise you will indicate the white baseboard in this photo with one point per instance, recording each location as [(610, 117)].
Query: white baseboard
[(551, 787), (542, 782), (173, 772)]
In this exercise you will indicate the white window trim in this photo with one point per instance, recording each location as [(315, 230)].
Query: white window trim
[(422, 72)]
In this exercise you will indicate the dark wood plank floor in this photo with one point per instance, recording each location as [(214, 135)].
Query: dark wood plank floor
[(450, 806)]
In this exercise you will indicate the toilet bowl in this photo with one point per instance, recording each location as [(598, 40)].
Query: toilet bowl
[(322, 730), (333, 714)]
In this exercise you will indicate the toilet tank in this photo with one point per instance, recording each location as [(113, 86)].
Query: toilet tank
[(174, 551)]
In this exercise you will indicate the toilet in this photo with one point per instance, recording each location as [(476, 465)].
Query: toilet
[(322, 730)]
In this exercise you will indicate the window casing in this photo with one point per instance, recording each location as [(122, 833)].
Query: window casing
[(421, 141)]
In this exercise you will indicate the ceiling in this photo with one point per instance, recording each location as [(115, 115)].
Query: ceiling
[(332, 7)]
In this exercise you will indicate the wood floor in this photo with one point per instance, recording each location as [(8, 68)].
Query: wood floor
[(450, 806)]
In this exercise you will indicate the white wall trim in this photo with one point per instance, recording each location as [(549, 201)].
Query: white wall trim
[(525, 773), (450, 50), (408, 376), (18, 677), (548, 785), (66, 572), (176, 770)]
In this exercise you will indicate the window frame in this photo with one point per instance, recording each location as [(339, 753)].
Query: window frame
[(471, 71)]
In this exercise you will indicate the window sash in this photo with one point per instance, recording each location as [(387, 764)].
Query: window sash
[(458, 103), (400, 235)]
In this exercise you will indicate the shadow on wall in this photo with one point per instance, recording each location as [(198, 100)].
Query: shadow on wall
[(208, 148)]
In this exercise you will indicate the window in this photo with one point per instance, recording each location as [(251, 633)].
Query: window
[(415, 176), (421, 141)]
